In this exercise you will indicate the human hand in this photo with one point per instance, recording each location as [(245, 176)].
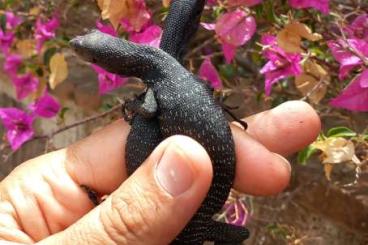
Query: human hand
[(42, 201)]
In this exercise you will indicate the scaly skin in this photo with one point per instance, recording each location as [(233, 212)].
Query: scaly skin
[(176, 102), (181, 24)]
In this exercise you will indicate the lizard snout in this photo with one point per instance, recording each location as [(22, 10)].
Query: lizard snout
[(76, 43), (82, 48)]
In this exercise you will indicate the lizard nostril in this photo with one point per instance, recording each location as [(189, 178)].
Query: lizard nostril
[(75, 43)]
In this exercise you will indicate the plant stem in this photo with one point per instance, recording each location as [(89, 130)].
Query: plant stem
[(78, 123)]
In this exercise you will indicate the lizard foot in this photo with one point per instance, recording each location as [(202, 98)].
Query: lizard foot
[(227, 234), (126, 109), (236, 119)]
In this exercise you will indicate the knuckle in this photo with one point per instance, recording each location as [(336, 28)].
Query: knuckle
[(131, 216)]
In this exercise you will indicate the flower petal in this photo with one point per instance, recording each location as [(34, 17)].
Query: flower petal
[(235, 28), (108, 81), (208, 72), (25, 85), (229, 52), (150, 36), (18, 125), (45, 106), (355, 96), (321, 5)]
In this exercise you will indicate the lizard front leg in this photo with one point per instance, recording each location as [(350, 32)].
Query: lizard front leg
[(144, 104), (145, 133), (144, 136), (147, 107)]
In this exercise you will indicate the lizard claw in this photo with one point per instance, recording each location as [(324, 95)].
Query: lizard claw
[(127, 114)]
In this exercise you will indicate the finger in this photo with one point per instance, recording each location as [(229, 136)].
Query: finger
[(148, 207), (283, 130), (98, 161), (287, 128), (259, 171)]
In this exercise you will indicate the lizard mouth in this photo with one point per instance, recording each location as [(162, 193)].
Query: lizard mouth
[(83, 47), (76, 43)]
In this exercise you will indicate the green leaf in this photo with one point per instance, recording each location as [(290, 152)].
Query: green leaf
[(278, 231), (278, 100), (365, 136), (106, 106), (63, 112), (259, 10), (3, 22), (305, 154), (341, 132), (218, 10), (10, 2), (270, 11), (47, 56), (227, 71), (39, 72)]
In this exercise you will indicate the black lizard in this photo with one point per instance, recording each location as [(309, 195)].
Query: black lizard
[(176, 102)]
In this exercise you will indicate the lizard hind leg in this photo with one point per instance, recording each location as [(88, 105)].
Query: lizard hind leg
[(221, 101), (226, 234), (236, 119)]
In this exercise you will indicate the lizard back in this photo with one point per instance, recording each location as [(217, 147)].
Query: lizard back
[(187, 107)]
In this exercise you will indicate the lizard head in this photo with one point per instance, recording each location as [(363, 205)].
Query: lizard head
[(88, 46), (120, 56), (111, 53)]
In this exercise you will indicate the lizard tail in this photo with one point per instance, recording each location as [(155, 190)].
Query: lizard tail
[(180, 26)]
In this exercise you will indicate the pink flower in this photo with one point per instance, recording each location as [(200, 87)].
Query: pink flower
[(212, 2), (208, 26), (7, 35), (359, 28), (280, 65), (45, 106), (139, 17), (45, 30), (108, 29), (234, 29), (12, 21), (236, 212), (321, 5), (6, 40), (247, 3), (24, 85), (208, 72), (11, 64), (108, 81), (345, 57), (18, 125), (229, 52), (355, 96), (151, 36)]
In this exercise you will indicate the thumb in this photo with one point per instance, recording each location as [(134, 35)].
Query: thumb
[(153, 205)]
